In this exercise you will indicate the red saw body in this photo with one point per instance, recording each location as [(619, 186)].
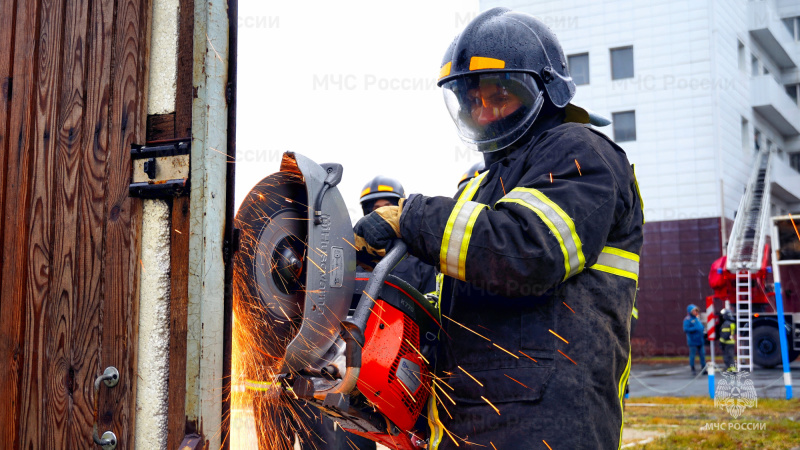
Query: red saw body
[(357, 346)]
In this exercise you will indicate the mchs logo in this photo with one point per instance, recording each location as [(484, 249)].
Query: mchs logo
[(736, 393)]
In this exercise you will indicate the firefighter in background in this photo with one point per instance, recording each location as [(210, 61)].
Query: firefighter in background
[(473, 171), (384, 191), (727, 340), (540, 251)]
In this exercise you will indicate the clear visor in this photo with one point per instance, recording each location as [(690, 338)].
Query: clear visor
[(492, 110)]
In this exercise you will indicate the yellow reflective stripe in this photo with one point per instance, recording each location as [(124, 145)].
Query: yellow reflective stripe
[(433, 421), (482, 62), (254, 385), (638, 192), (445, 70), (466, 195), (462, 254), (623, 381), (365, 192), (460, 234), (635, 313), (560, 224), (618, 262), (384, 188)]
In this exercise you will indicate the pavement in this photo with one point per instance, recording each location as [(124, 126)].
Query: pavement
[(676, 380)]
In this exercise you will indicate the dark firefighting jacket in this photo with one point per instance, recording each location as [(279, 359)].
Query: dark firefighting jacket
[(417, 274), (541, 257), (727, 332)]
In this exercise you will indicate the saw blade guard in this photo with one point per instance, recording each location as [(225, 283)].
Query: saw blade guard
[(295, 269)]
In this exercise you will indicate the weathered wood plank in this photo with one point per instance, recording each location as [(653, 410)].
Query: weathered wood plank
[(160, 126), (15, 217), (120, 260), (184, 87), (59, 318), (87, 336), (179, 303), (7, 15), (16, 180), (38, 301)]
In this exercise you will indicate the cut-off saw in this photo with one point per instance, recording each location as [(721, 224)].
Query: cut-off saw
[(356, 345)]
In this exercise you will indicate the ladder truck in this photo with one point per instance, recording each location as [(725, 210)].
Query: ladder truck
[(745, 276)]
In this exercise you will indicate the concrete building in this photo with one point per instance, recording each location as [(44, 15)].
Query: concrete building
[(695, 89)]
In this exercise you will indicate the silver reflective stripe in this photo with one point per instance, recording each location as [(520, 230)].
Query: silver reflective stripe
[(460, 235), (618, 262), (559, 223)]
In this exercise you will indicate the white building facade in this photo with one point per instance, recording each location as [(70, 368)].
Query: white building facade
[(695, 89)]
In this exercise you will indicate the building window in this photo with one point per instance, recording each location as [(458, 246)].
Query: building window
[(745, 136), (754, 69), (742, 58), (579, 68), (757, 139), (624, 126), (794, 161), (793, 91), (793, 26), (622, 63)]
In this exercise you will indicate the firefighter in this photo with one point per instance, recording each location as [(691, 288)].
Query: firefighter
[(473, 171), (384, 191), (727, 340), (540, 252)]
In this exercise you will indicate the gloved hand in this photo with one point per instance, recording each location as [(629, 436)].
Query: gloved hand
[(376, 231)]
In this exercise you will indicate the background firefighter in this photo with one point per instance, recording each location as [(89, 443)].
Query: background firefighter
[(540, 251)]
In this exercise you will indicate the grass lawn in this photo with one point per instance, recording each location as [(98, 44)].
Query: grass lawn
[(655, 423)]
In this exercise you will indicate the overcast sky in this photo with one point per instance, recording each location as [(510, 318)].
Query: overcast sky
[(352, 82)]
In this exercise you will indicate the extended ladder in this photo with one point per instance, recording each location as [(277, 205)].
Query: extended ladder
[(746, 251), (744, 309)]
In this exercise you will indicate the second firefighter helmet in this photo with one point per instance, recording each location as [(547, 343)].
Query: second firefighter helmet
[(473, 171), (381, 188), (495, 75)]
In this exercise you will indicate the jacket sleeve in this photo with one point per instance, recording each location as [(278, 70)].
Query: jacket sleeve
[(687, 325), (551, 226)]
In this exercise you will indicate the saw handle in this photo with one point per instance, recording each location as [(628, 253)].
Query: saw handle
[(373, 287)]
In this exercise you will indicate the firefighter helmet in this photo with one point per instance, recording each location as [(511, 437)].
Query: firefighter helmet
[(495, 75), (378, 188), (473, 171)]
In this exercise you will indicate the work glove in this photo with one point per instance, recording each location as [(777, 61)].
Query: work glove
[(376, 231)]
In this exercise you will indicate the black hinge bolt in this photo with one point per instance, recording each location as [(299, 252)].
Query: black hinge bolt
[(150, 168)]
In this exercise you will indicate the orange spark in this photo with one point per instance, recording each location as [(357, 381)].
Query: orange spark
[(795, 226), (528, 356), (495, 448), (451, 436), (579, 167), (418, 352), (551, 177), (469, 375), (556, 335), (501, 348), (523, 385), (545, 443), (490, 404), (565, 355), (178, 231), (502, 186), (573, 311), (315, 264), (442, 403), (445, 394), (409, 392), (142, 263), (467, 328), (351, 244)]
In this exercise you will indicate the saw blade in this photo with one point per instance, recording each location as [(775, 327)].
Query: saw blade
[(269, 264)]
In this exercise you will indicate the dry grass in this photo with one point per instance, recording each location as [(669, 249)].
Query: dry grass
[(677, 423)]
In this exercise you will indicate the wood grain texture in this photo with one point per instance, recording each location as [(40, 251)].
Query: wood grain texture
[(13, 220), (160, 126), (120, 256), (35, 388), (179, 304), (59, 318), (184, 86), (7, 16), (86, 338)]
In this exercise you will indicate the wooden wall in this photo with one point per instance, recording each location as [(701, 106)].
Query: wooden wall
[(72, 95)]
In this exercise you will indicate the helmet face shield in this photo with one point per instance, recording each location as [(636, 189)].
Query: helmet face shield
[(492, 110)]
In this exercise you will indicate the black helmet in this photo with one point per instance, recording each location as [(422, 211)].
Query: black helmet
[(378, 188), (503, 55), (473, 171)]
